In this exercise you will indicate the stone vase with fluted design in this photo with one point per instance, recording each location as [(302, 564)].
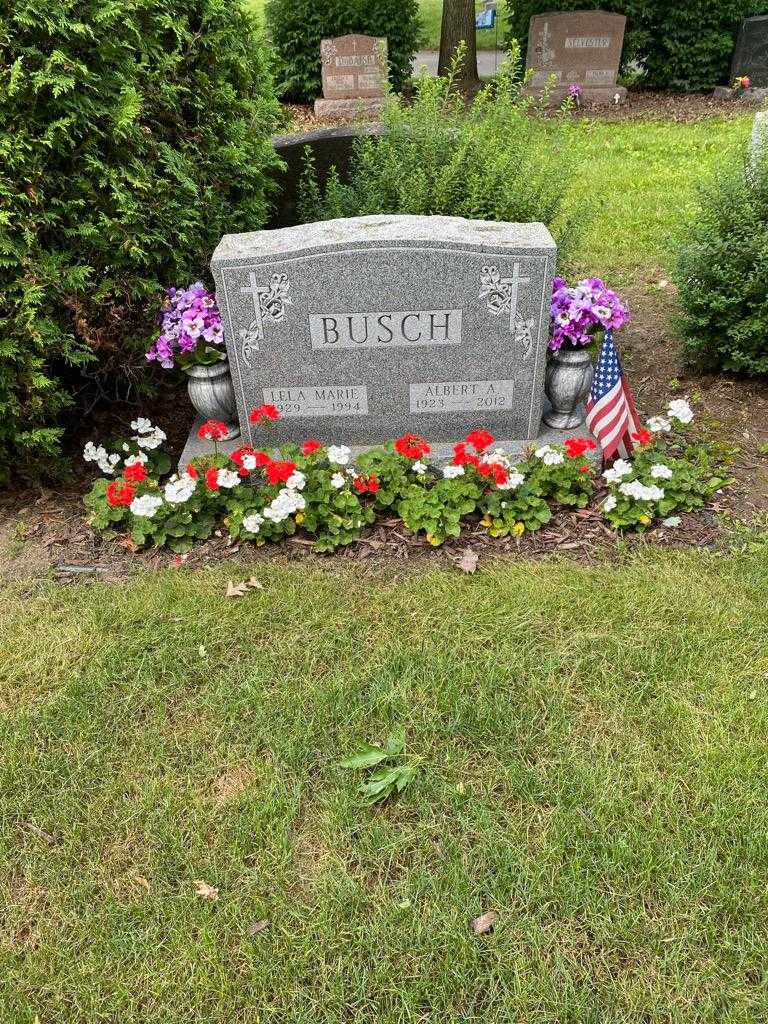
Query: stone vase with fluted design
[(212, 395), (567, 384)]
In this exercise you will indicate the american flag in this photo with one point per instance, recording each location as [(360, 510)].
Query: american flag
[(611, 413)]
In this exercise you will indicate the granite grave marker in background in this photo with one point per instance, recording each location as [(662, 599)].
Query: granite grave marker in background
[(750, 56), (354, 72), (359, 330), (577, 48)]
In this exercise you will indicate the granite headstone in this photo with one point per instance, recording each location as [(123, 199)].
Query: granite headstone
[(354, 74), (750, 56), (576, 48), (360, 330)]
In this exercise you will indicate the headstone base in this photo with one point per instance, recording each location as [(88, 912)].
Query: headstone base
[(724, 92), (348, 110), (441, 451), (602, 95)]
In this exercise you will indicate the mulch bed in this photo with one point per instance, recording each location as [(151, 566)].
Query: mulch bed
[(43, 531), (640, 105)]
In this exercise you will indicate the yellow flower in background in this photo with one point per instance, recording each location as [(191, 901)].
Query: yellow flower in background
[(433, 540), (486, 521), (645, 519), (299, 518), (518, 529)]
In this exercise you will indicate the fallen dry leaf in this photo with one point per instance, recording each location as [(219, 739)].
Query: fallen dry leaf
[(241, 589), (206, 891), (257, 926), (468, 561), (483, 924), (142, 881)]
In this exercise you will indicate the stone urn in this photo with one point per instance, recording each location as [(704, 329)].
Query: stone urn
[(567, 384), (211, 394)]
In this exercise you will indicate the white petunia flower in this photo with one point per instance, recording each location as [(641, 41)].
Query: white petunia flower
[(661, 472), (132, 460), (451, 472), (252, 523), (549, 456), (227, 478), (180, 489), (142, 425), (296, 481), (146, 505), (680, 410), (419, 468), (619, 469), (339, 454), (609, 503), (659, 425)]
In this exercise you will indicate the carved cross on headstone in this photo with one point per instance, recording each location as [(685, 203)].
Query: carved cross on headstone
[(258, 292), (512, 287)]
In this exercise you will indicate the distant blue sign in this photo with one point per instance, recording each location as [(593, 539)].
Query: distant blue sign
[(486, 18)]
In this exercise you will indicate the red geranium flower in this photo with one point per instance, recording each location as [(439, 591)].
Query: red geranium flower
[(583, 469), (479, 439), (264, 412), (191, 471), (495, 470), (213, 430), (576, 446), (642, 436), (135, 473), (211, 481), (461, 457), (412, 446), (366, 484), (119, 494), (310, 446), (278, 472)]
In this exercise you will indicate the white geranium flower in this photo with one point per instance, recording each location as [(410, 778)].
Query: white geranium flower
[(451, 472), (549, 456), (419, 468), (180, 489), (249, 462), (619, 469), (609, 503), (296, 481), (514, 479), (638, 490), (680, 410), (227, 478), (149, 441), (659, 425), (661, 472), (142, 425), (146, 505), (284, 504), (101, 457), (141, 457), (339, 454), (252, 523), (337, 481)]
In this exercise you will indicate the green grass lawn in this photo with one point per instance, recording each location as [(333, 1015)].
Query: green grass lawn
[(643, 178), (593, 747), (431, 16)]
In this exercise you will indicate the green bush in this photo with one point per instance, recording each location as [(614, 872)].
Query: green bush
[(494, 160), (722, 273), (683, 46), (132, 135), (296, 28)]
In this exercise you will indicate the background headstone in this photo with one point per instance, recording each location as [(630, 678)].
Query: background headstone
[(576, 48), (354, 74), (359, 330), (750, 56)]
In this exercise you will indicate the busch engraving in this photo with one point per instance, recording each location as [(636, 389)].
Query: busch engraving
[(329, 331)]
